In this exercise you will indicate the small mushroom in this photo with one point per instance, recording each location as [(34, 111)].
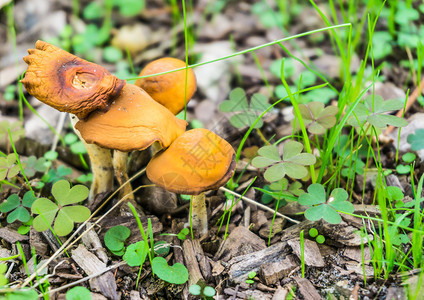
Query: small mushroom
[(134, 121), (67, 82), (71, 84), (197, 161), (107, 112), (170, 89)]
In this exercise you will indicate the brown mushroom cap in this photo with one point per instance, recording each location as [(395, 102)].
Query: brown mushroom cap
[(197, 161), (67, 82), (133, 121), (168, 89)]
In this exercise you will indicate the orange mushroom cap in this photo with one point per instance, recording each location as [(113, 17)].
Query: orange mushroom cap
[(197, 161), (168, 89), (67, 82), (133, 121)]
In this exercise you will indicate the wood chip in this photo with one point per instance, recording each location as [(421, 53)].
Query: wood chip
[(344, 234), (358, 270), (280, 293), (189, 251), (92, 241), (307, 289), (277, 227), (12, 236), (293, 232), (256, 294), (104, 283), (396, 293), (217, 268), (240, 240), (37, 241), (312, 255), (355, 253), (233, 292), (241, 266), (4, 253), (258, 220), (135, 295), (275, 271)]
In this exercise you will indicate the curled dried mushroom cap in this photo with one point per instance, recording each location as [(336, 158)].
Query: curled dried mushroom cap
[(197, 161), (67, 82), (133, 121), (168, 89)]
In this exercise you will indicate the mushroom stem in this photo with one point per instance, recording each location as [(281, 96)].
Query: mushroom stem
[(101, 165), (119, 162), (199, 215)]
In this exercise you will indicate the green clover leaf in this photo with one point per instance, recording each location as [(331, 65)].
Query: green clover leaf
[(33, 165), (245, 114), (47, 211), (374, 111), (291, 164), (16, 208), (66, 195), (321, 208), (136, 254), (65, 214), (116, 236), (78, 293), (176, 274), (16, 129), (8, 167), (416, 139), (317, 119)]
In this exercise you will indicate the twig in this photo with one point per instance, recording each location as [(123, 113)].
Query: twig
[(59, 128), (117, 265), (264, 207), (411, 100)]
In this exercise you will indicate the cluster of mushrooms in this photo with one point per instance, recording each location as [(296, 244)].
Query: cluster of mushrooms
[(109, 114)]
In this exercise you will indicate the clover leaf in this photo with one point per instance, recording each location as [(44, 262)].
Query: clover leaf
[(136, 254), (324, 95), (115, 238), (405, 15), (292, 163), (376, 113), (176, 274), (129, 8), (352, 167), (280, 190), (245, 114), (321, 208), (63, 213), (416, 139), (8, 167), (16, 129), (381, 44), (182, 235), (17, 208), (282, 186), (54, 175), (33, 165), (78, 293), (317, 119)]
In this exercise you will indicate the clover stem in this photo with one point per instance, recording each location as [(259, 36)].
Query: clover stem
[(261, 135), (199, 216), (101, 165)]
